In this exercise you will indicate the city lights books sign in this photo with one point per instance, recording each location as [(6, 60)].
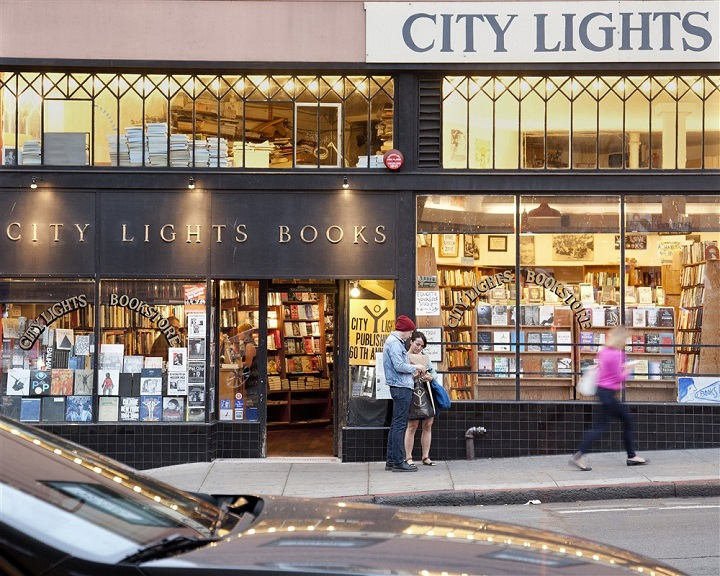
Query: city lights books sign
[(501, 32)]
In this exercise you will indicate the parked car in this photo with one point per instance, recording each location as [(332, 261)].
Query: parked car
[(66, 510)]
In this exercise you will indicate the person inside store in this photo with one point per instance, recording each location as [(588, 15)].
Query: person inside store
[(416, 353), (248, 353), (612, 371), (161, 345), (400, 376)]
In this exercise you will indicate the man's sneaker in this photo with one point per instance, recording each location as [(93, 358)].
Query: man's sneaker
[(404, 467), (636, 461), (578, 459)]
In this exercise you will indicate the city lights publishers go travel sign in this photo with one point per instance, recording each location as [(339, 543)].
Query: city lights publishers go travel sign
[(528, 32)]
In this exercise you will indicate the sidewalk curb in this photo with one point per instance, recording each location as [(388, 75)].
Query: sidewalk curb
[(681, 489)]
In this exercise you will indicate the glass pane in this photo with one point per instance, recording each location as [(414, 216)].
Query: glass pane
[(570, 280), (664, 128), (481, 128), (711, 159), (47, 372), (532, 114), (153, 340), (669, 286), (506, 128), (68, 125), (689, 125), (238, 392), (558, 124), (105, 108), (584, 130), (610, 136), (637, 127), (357, 131), (455, 122), (381, 118), (132, 141)]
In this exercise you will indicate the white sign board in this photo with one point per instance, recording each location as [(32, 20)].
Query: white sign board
[(427, 303), (503, 32), (694, 389)]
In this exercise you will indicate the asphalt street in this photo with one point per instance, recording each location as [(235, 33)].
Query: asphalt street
[(681, 532)]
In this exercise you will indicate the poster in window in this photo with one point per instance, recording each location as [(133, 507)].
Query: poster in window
[(448, 245), (573, 247)]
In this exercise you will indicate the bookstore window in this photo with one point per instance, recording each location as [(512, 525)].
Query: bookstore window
[(671, 295), (570, 283), (183, 120), (581, 122), (371, 319), (48, 347), (466, 253), (153, 350)]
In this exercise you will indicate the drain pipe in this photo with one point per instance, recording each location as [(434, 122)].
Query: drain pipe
[(470, 435)]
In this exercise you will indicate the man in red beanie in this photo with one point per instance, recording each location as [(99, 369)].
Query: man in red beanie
[(399, 375)]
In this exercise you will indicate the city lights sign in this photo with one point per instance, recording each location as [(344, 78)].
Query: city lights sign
[(503, 32)]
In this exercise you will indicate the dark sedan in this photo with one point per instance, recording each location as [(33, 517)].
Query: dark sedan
[(65, 510)]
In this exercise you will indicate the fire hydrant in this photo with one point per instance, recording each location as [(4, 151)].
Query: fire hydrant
[(470, 435)]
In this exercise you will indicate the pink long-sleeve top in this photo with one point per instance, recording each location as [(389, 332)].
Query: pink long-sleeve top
[(612, 371)]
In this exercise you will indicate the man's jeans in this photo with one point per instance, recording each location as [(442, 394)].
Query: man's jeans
[(402, 397)]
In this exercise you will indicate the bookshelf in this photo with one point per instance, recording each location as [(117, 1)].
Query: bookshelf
[(299, 375), (651, 343), (698, 317)]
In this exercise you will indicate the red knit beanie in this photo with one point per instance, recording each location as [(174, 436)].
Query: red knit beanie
[(404, 324)]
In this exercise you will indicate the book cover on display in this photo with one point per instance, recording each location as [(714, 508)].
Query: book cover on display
[(125, 388), (64, 339), (651, 318), (547, 315), (563, 316), (652, 343), (547, 340), (654, 369), (638, 317), (18, 382), (501, 366), (196, 414), (82, 344), (547, 366), (502, 341), (499, 315), (667, 340), (151, 382), (150, 408), (534, 341), (78, 409), (108, 382), (153, 362), (598, 316), (484, 340), (30, 409), (53, 409), (586, 342), (530, 315), (564, 341), (196, 394), (62, 382), (666, 317), (564, 365), (485, 365), (133, 364), (108, 409), (484, 313), (177, 359), (111, 356), (638, 342), (176, 384), (667, 367), (612, 316), (40, 382), (10, 406), (130, 408), (173, 409), (83, 382)]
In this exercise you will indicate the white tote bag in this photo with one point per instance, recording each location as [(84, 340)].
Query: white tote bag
[(587, 385)]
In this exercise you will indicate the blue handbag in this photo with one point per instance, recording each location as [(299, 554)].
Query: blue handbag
[(442, 398)]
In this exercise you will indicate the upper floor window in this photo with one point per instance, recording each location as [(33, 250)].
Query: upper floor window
[(581, 122), (160, 120)]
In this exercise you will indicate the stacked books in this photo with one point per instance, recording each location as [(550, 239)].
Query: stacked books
[(218, 149), (157, 143), (134, 139), (31, 152), (179, 151), (202, 153)]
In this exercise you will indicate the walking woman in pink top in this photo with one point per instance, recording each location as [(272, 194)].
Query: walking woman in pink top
[(612, 372)]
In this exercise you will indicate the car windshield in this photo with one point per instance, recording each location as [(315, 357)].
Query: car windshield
[(48, 485)]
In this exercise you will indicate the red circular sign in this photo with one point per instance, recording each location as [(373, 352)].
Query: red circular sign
[(393, 159)]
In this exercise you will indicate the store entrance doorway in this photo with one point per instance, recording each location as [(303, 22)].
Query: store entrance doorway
[(301, 369)]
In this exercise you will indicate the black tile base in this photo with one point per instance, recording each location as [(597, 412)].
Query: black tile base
[(514, 429), (531, 429)]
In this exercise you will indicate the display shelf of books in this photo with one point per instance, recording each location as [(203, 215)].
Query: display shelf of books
[(698, 324), (299, 387)]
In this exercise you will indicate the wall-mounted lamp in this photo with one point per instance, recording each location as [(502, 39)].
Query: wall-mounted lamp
[(191, 183), (346, 184), (355, 291), (33, 184)]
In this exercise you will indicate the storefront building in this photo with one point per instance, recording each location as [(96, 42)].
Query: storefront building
[(201, 254)]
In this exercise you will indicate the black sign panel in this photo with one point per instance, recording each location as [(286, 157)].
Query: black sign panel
[(155, 233), (304, 234), (47, 232)]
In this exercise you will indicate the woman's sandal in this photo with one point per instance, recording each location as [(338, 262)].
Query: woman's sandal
[(428, 462), (410, 461)]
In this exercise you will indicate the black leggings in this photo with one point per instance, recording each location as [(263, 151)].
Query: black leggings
[(610, 407)]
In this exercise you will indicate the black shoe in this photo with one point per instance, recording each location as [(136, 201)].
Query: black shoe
[(389, 466), (404, 467)]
